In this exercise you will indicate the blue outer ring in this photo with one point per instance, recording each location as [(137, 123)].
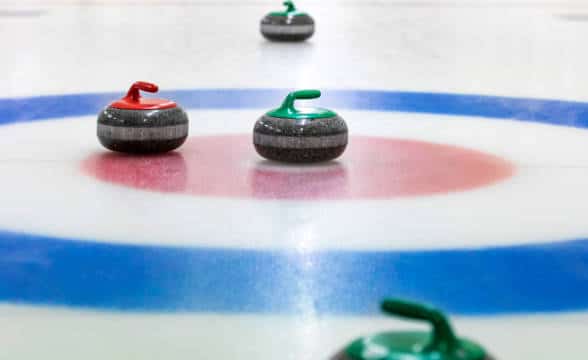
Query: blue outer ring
[(555, 112), (43, 270)]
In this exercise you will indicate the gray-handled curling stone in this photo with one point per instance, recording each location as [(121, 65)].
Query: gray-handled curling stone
[(141, 125), (287, 25), (300, 135)]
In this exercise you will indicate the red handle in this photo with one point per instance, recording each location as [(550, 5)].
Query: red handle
[(133, 94)]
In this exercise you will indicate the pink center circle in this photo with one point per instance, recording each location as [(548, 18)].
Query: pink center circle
[(370, 168)]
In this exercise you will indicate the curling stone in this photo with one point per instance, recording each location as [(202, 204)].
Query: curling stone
[(440, 344), (135, 124), (300, 135), (288, 25)]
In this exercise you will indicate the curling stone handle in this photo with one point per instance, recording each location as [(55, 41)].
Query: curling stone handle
[(443, 337), (134, 95), (288, 104), (306, 94), (289, 6)]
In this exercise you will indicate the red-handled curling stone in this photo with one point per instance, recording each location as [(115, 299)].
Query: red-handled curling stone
[(135, 124)]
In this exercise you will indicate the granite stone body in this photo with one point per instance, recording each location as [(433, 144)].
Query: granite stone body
[(287, 28), (300, 140), (142, 131)]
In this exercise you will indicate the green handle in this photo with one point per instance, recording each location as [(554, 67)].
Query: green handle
[(288, 111), (443, 338), (290, 7), (288, 104), (305, 94)]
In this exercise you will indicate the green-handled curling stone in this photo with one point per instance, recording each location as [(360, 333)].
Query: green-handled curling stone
[(440, 344), (287, 25), (300, 135), (135, 124)]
